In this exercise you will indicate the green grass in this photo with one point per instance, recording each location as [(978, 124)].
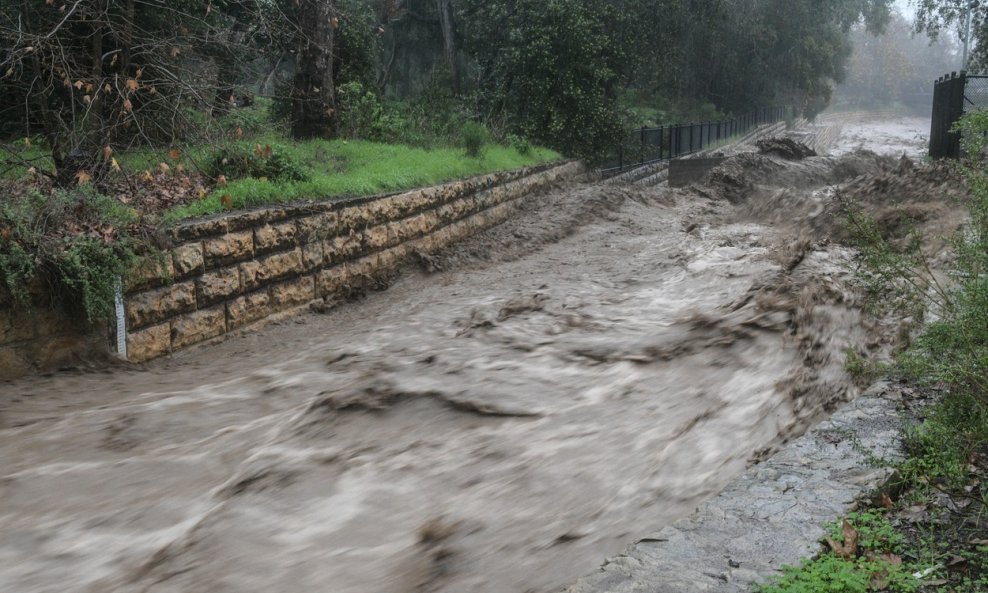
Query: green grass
[(337, 168), (871, 566), (333, 168)]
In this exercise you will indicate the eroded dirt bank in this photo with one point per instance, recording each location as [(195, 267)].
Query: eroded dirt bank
[(580, 375)]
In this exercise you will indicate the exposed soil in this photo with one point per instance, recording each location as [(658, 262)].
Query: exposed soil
[(587, 372), (786, 148)]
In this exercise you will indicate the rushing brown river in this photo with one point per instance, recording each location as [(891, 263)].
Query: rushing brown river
[(583, 374)]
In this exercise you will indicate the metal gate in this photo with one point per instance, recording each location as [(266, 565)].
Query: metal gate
[(953, 96)]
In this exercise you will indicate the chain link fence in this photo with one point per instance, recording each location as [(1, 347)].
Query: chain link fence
[(975, 93)]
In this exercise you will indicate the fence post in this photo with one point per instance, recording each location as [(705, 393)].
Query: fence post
[(934, 123), (959, 88), (641, 148), (935, 120)]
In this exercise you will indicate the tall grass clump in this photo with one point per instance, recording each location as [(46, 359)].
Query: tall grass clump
[(474, 136), (951, 350)]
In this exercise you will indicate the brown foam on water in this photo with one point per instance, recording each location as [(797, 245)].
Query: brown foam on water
[(583, 374)]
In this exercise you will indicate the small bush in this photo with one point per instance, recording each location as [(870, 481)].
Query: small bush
[(364, 116), (939, 450), (474, 137), (259, 162), (861, 369), (73, 244), (875, 532), (832, 574), (519, 143), (251, 120)]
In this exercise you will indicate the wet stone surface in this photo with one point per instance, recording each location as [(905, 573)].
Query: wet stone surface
[(770, 516)]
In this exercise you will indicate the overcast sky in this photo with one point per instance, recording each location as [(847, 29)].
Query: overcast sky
[(905, 8)]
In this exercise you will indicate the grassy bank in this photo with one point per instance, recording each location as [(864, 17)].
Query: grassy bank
[(329, 168), (271, 170)]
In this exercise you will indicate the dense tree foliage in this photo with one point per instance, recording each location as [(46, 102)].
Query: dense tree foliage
[(92, 76), (936, 17), (549, 68)]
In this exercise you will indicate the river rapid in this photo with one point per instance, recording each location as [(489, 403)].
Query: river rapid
[(549, 390)]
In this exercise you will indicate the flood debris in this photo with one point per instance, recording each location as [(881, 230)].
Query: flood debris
[(579, 376), (784, 147)]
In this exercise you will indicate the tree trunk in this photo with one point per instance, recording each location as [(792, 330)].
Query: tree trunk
[(445, 10), (313, 95)]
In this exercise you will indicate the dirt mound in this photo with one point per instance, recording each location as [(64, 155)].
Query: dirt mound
[(734, 180), (786, 148)]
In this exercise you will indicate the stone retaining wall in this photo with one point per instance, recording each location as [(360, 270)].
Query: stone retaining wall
[(227, 272)]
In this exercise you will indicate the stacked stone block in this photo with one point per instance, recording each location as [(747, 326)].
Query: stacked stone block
[(228, 272)]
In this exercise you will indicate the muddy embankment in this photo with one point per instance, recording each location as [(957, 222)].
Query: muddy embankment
[(500, 421)]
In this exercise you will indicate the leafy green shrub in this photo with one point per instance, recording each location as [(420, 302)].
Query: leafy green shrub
[(253, 120), (833, 574), (875, 532), (863, 370), (358, 109), (17, 268), (939, 450), (519, 143), (364, 116), (260, 162), (73, 244), (474, 136)]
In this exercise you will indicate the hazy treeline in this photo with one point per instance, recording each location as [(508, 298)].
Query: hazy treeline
[(87, 74), (896, 68)]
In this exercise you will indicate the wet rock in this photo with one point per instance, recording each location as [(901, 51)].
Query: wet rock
[(229, 248)]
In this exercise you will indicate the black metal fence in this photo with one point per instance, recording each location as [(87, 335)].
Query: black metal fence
[(650, 145), (953, 96)]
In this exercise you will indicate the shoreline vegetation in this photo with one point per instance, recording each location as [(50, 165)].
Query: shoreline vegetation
[(927, 530)]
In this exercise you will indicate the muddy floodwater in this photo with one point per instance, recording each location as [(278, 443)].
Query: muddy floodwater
[(577, 377)]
